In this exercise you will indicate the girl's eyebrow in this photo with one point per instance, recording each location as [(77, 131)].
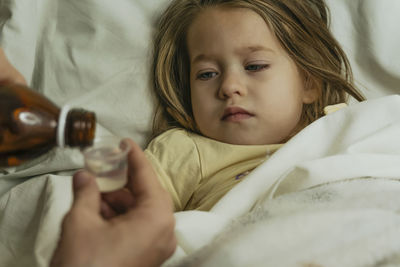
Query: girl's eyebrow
[(256, 48), (253, 48), (200, 57)]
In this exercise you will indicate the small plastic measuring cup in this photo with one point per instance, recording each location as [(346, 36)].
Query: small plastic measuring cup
[(108, 162)]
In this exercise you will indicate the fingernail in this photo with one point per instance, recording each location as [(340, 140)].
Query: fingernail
[(124, 144)]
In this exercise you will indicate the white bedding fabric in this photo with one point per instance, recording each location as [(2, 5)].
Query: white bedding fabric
[(328, 198)]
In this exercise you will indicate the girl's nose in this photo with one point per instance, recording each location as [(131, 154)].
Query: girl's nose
[(231, 84)]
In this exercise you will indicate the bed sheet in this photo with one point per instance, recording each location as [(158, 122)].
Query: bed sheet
[(95, 53)]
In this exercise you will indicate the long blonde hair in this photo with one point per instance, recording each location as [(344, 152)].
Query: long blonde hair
[(302, 28)]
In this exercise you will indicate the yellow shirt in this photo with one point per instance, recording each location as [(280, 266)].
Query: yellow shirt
[(197, 171)]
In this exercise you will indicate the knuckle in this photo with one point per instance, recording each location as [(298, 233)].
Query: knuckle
[(72, 218), (67, 220), (165, 222)]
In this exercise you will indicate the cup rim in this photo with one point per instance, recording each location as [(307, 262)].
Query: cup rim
[(105, 142)]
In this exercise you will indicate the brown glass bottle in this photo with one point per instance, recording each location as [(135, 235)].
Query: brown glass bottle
[(29, 123)]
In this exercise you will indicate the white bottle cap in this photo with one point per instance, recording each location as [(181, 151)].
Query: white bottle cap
[(62, 119)]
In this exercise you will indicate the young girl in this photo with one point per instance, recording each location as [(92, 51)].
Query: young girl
[(235, 79)]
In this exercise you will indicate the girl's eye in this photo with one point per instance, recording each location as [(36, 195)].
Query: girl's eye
[(206, 75), (256, 67)]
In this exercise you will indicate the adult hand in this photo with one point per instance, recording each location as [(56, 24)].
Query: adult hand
[(8, 74), (138, 226)]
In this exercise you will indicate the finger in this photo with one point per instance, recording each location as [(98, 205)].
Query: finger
[(9, 74), (106, 211), (18, 78), (12, 80), (120, 201), (142, 180), (86, 192)]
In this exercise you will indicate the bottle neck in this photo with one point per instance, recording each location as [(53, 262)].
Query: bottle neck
[(80, 126)]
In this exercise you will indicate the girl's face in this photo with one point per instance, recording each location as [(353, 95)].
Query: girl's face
[(245, 89)]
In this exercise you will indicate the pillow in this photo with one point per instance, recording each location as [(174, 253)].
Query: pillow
[(368, 32)]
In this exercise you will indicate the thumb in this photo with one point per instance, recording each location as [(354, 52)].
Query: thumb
[(86, 192), (142, 180)]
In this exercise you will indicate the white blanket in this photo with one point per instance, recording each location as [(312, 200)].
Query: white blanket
[(328, 198)]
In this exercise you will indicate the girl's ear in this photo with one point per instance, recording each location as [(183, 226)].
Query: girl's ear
[(312, 90)]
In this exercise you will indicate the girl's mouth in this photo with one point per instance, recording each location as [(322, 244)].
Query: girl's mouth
[(235, 114)]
